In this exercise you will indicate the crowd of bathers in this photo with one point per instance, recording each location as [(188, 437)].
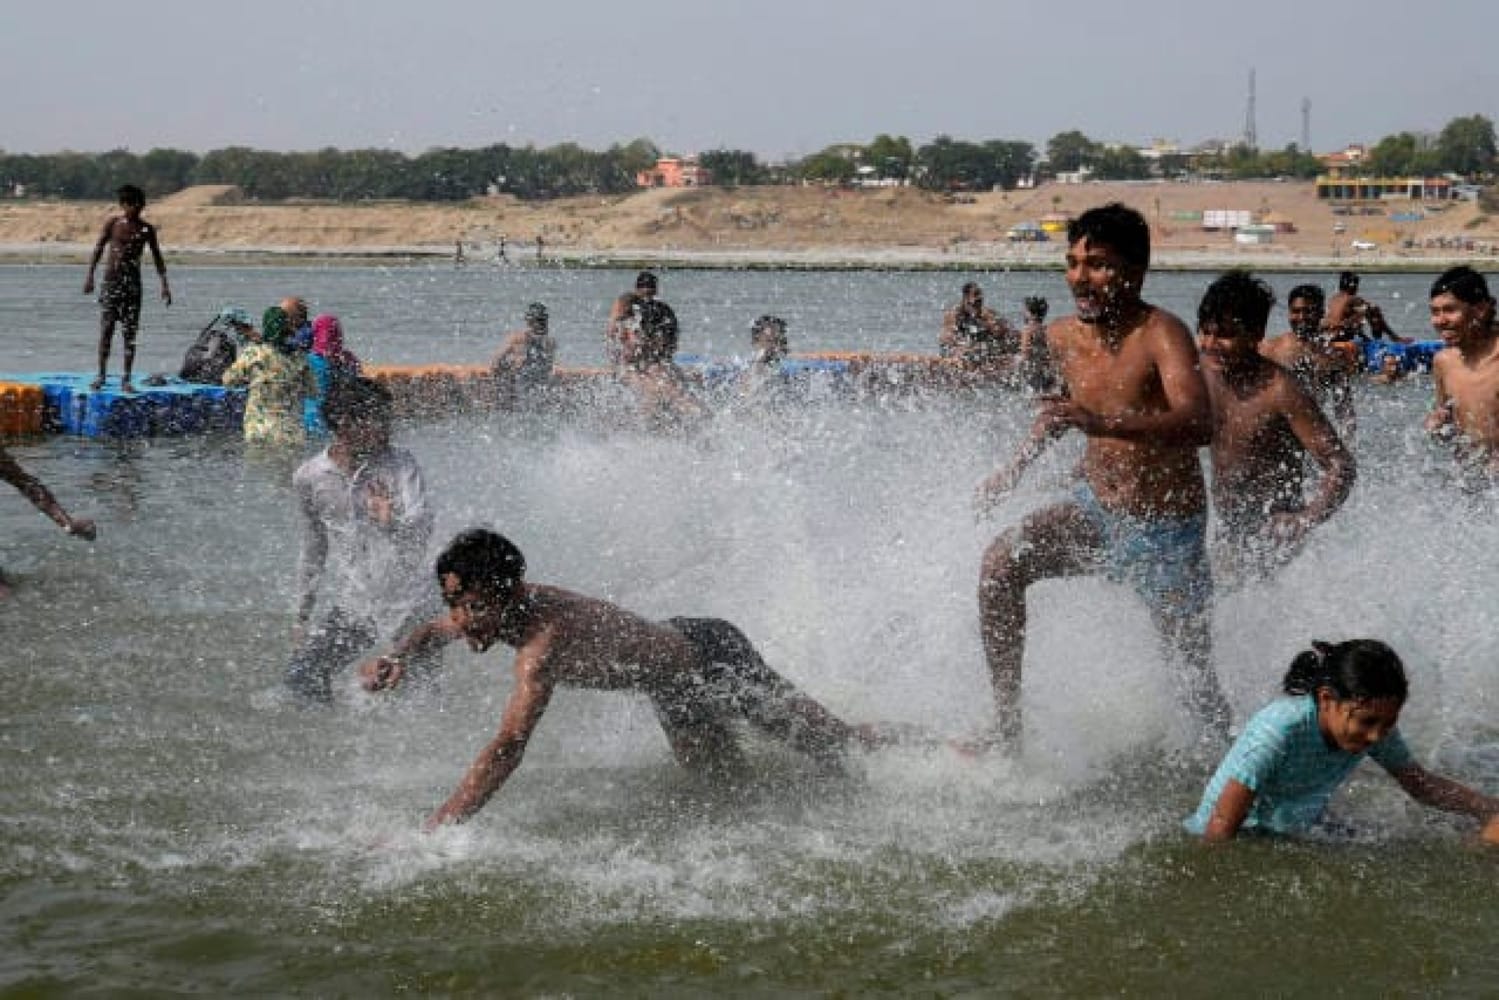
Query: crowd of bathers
[(1146, 394)]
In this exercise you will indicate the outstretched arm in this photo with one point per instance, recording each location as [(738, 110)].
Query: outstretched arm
[(502, 755), (41, 497), (1437, 792), (93, 262), (385, 672), (1229, 813), (161, 267), (1317, 436), (1044, 430)]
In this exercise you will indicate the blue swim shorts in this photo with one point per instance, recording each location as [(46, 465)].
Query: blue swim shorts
[(1163, 558)]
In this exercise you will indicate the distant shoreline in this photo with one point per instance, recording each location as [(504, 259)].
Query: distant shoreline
[(1260, 259)]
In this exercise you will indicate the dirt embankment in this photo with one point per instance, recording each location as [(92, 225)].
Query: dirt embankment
[(768, 221)]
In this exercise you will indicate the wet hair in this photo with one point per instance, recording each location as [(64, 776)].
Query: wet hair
[(768, 324), (1312, 293), (1239, 298), (1356, 670), (1462, 283), (645, 279), (1114, 225), (130, 195), (351, 399), (1347, 282), (482, 559), (658, 329), (536, 312), (970, 286), (1035, 305)]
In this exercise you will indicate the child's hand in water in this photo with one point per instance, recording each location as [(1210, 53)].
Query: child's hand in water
[(378, 504), (381, 673)]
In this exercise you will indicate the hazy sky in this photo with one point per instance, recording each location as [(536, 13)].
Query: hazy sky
[(777, 76)]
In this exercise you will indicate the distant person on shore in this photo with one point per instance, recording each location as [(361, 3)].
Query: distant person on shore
[(1352, 317), (1131, 384), (301, 327), (1465, 371), (1264, 425), (217, 347), (125, 236), (624, 317), (974, 336), (1307, 352), (331, 362), (522, 369), (366, 523), (650, 368), (1343, 701), (702, 675), (279, 379), (42, 499)]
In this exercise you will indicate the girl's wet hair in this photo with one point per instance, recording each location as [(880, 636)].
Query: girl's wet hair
[(1357, 670)]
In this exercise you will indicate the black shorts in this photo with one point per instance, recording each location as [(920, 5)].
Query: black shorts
[(120, 299), (732, 682)]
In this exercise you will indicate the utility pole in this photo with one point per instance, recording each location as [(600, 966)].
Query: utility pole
[(1306, 125), (1251, 135)]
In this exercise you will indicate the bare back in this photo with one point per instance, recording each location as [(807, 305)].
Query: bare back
[(1150, 369), (1257, 458), (591, 643)]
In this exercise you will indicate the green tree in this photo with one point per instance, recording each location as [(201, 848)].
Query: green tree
[(1121, 163), (891, 157), (1069, 151), (831, 165), (732, 166), (1466, 146)]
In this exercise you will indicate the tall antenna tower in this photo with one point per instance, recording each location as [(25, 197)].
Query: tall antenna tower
[(1251, 136), (1306, 124)]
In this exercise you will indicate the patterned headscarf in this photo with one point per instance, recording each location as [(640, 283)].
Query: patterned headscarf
[(328, 342), (275, 329)]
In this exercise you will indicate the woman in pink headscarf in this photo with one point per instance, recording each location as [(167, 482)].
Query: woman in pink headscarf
[(331, 362)]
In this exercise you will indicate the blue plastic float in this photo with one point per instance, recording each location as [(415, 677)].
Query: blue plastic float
[(173, 407), (1414, 357)]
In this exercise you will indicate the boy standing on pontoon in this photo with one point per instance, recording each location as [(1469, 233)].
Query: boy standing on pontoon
[(125, 235)]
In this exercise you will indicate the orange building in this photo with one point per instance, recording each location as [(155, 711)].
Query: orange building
[(675, 172)]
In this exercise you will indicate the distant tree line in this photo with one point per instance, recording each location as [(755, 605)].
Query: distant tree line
[(1464, 146)]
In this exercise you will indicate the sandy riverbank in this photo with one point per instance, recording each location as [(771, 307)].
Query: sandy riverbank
[(766, 227)]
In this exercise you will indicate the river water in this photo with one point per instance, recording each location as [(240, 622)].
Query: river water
[(169, 824)]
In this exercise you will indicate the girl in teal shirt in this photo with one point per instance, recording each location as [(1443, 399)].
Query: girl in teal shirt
[(1342, 703)]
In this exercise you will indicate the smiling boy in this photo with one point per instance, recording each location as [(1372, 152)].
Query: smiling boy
[(1466, 371), (1132, 386)]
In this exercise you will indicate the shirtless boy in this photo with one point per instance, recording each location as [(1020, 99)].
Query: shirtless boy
[(1132, 384), (125, 235), (1349, 312), (1307, 353), (975, 336), (701, 674), (523, 365), (1466, 370), (1264, 422)]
